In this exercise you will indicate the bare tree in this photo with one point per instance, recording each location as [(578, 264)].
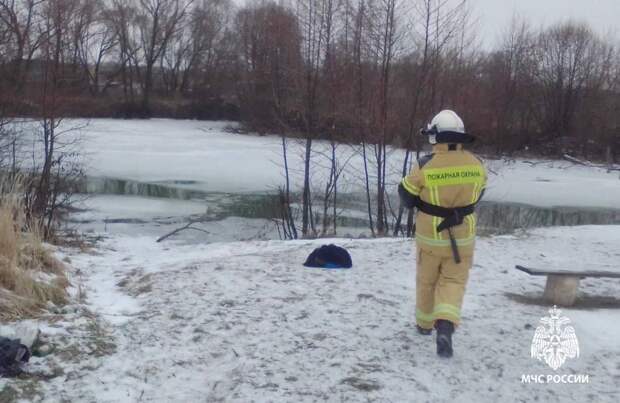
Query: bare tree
[(157, 21), (361, 100), (269, 40), (434, 26), (312, 16), (22, 38), (568, 57), (50, 185), (96, 41), (121, 15), (382, 38), (194, 49), (368, 72)]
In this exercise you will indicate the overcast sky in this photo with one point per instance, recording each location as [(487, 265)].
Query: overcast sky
[(602, 15), (494, 15)]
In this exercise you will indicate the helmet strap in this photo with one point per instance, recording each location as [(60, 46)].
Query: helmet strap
[(454, 137)]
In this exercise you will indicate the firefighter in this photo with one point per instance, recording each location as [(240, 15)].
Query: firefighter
[(444, 187)]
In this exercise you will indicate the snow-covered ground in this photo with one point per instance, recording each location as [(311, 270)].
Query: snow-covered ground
[(245, 321), (196, 318)]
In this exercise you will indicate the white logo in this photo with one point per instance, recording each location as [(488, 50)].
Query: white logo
[(555, 340)]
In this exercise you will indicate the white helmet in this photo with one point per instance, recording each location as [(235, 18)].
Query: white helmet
[(447, 127)]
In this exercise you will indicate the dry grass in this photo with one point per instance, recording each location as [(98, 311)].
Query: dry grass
[(30, 276)]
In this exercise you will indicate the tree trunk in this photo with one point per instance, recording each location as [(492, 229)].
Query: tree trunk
[(306, 208)]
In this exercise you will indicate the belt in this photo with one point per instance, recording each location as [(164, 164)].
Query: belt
[(452, 216)]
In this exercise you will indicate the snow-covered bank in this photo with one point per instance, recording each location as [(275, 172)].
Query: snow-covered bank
[(245, 321), (208, 157)]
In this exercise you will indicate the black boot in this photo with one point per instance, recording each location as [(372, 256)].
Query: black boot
[(445, 329), (423, 331)]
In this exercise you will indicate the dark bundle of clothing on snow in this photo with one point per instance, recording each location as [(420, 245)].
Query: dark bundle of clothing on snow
[(12, 354), (329, 257)]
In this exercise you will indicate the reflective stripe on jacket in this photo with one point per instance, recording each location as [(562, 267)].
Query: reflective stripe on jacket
[(447, 178)]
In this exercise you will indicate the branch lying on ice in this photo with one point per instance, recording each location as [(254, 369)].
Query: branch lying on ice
[(577, 160), (534, 163), (589, 164), (186, 227)]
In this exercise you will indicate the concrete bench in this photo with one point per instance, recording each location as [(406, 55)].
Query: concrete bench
[(562, 285)]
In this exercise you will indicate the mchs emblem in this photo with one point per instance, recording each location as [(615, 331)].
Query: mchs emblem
[(555, 340)]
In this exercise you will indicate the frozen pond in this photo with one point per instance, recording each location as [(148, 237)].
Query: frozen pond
[(146, 176), (231, 216)]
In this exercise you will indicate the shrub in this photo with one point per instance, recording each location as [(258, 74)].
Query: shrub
[(30, 276)]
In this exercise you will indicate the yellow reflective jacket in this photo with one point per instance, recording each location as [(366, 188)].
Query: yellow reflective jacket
[(446, 178)]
